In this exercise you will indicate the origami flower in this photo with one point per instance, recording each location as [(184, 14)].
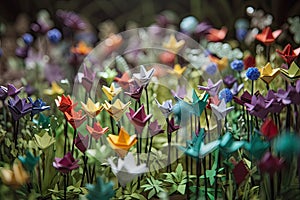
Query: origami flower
[(237, 65), (211, 68), (65, 103), (172, 127), (236, 88), (75, 118), (293, 73), (154, 128), (276, 105), (270, 164), (99, 153), (240, 172), (54, 35), (135, 92), (138, 118), (82, 142), (81, 49), (229, 81), (199, 104), (124, 81), (44, 141), (287, 144), (267, 36), (216, 35), (226, 95), (38, 106), (245, 98), (108, 74), (3, 93), (116, 109), (65, 164), (178, 70), (165, 108), (211, 88), (269, 129), (19, 107), (87, 78), (101, 190), (294, 93), (221, 111), (172, 45), (55, 89), (182, 110), (96, 131), (180, 92), (221, 63), (43, 121), (91, 109), (282, 96), (121, 143), (213, 100), (249, 61), (29, 162), (228, 145), (12, 91), (126, 170), (15, 177), (111, 91), (259, 106), (256, 147), (267, 73), (288, 54), (252, 73), (144, 77)]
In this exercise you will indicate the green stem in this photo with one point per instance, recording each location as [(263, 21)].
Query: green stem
[(149, 152)]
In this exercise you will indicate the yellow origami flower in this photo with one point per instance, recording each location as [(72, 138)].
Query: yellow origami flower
[(91, 109), (111, 91), (15, 177), (55, 90), (173, 45), (221, 63), (292, 73), (116, 109), (121, 143), (267, 73), (178, 70)]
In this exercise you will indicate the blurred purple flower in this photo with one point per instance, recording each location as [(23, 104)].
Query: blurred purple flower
[(259, 106), (82, 142), (40, 26), (135, 91), (19, 107), (22, 52), (29, 90), (236, 88), (276, 106), (229, 81), (211, 88), (283, 96), (53, 73), (12, 91), (87, 79), (270, 164), (65, 164), (71, 20), (172, 127), (155, 128), (180, 92), (202, 29)]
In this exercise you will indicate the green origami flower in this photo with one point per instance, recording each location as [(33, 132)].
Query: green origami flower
[(108, 75), (257, 146), (29, 161), (44, 141), (228, 145), (101, 190)]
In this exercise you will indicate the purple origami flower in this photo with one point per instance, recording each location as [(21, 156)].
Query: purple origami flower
[(3, 93), (259, 106), (180, 92), (276, 105), (37, 106), (82, 142), (229, 81), (294, 93), (270, 164), (172, 127), (65, 164), (236, 88), (245, 98), (166, 107), (19, 107), (135, 91), (155, 128), (12, 91), (211, 88), (138, 118), (283, 96), (203, 28), (29, 90)]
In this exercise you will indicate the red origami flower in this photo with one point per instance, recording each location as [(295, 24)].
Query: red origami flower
[(65, 103), (96, 131), (124, 81), (171, 126), (65, 164), (288, 54), (267, 36), (249, 61), (269, 129), (75, 118), (215, 35)]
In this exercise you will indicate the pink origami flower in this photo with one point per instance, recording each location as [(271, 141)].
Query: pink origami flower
[(138, 118), (96, 131), (82, 142), (65, 164), (211, 88), (172, 127), (155, 128)]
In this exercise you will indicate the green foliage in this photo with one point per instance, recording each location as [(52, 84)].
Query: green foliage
[(130, 192), (153, 187)]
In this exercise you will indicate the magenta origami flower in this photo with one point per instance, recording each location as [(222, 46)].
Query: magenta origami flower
[(282, 96), (259, 106), (135, 91), (138, 118), (19, 107), (87, 79), (229, 80), (65, 164), (236, 88), (82, 142), (245, 98), (172, 127), (155, 128), (211, 88), (270, 164)]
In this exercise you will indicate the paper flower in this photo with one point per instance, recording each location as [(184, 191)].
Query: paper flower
[(229, 80), (240, 172), (138, 118), (65, 164), (101, 190), (228, 145), (91, 109), (144, 77), (180, 92), (87, 79), (82, 142), (154, 128), (288, 54), (267, 73), (269, 129), (43, 121), (221, 111), (43, 142), (259, 106), (267, 36), (236, 88), (135, 92), (226, 95), (19, 107), (15, 177), (216, 35), (75, 118), (182, 110), (12, 91), (252, 73), (178, 70), (270, 164), (99, 153), (211, 88), (116, 109), (29, 162), (126, 170), (111, 91), (213, 100), (165, 108), (256, 147), (172, 45), (3, 93), (124, 81), (38, 106), (172, 127), (65, 103), (81, 49), (108, 74), (211, 68), (287, 144), (199, 104), (55, 90), (293, 73), (249, 61), (276, 105), (237, 65), (294, 93), (221, 63), (282, 96), (96, 131), (54, 35), (121, 143)]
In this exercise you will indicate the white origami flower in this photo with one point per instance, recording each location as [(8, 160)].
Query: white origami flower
[(144, 77), (221, 110)]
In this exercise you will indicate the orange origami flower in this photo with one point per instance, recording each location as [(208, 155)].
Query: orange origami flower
[(221, 63), (15, 177), (81, 49), (96, 131), (75, 118), (121, 143), (215, 35), (124, 81), (267, 36)]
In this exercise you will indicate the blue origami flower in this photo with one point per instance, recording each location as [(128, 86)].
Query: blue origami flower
[(27, 38), (38, 106), (253, 73)]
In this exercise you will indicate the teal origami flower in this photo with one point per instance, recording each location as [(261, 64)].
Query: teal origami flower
[(228, 145), (101, 190), (257, 146), (29, 161), (287, 144), (182, 110), (199, 104)]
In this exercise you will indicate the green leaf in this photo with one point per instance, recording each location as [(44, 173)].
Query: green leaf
[(151, 194), (181, 189)]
